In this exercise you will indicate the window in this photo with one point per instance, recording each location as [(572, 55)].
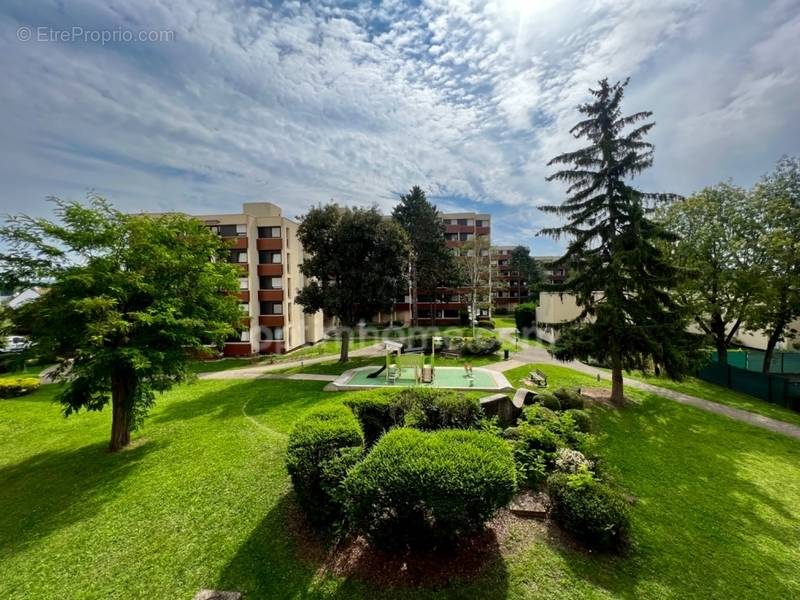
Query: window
[(244, 307), (270, 283), (245, 335), (462, 221), (288, 263), (481, 223), (271, 308), (451, 236), (269, 232), (289, 288), (271, 333), (231, 230), (243, 283), (238, 256), (269, 257)]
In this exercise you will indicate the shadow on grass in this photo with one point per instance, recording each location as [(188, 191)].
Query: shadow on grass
[(52, 490), (709, 510), (283, 559), (277, 403)]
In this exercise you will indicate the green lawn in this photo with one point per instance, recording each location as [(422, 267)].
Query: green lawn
[(202, 498), (504, 322)]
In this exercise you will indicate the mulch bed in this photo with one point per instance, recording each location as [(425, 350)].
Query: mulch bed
[(355, 558)]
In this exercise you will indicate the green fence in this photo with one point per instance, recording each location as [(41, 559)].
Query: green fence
[(772, 388), (753, 360)]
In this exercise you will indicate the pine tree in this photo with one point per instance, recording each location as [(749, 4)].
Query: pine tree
[(616, 269)]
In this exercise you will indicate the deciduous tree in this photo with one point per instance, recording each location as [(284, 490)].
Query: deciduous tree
[(353, 263), (131, 298)]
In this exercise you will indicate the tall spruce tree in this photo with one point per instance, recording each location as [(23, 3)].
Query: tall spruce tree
[(616, 269)]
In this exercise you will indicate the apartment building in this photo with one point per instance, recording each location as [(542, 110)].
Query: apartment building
[(551, 274), (468, 234), (508, 289), (268, 254)]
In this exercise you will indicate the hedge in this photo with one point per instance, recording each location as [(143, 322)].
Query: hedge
[(429, 409), (590, 510), (416, 488), (569, 398), (322, 446), (377, 414), (481, 346), (11, 388)]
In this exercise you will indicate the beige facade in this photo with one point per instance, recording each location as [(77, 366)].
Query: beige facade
[(554, 309), (266, 250)]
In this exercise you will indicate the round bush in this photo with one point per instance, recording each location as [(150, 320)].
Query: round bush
[(481, 346), (548, 400), (431, 409), (583, 421), (22, 386), (590, 510), (569, 398), (416, 488), (322, 446), (377, 414), (534, 449), (538, 414)]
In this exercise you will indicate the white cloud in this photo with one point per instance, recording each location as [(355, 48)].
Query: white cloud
[(314, 101)]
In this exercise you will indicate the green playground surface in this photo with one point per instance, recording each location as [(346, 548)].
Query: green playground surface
[(444, 377)]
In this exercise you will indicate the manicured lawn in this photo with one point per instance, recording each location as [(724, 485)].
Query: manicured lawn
[(504, 322), (334, 367), (716, 393), (202, 499)]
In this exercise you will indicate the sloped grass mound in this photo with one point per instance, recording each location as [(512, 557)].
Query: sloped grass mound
[(419, 489)]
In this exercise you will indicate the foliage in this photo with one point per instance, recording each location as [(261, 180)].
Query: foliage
[(526, 268), (569, 398), (538, 414), (322, 447), (11, 388), (486, 324), (582, 419), (776, 200), (437, 409), (525, 317), (534, 449), (416, 489), (548, 400), (353, 264), (377, 413), (432, 262), (617, 270), (590, 510), (131, 298), (571, 461), (481, 346), (717, 249)]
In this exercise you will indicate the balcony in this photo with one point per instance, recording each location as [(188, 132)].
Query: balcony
[(272, 270), (244, 295), (272, 347), (271, 320), (269, 244), (236, 243), (271, 295), (237, 349)]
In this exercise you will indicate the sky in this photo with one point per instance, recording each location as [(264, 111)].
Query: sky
[(199, 106)]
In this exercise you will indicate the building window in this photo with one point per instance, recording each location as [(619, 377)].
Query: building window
[(269, 232), (288, 263), (271, 333), (270, 283), (271, 308), (237, 256), (462, 221), (244, 336), (231, 230), (244, 308), (243, 283), (266, 257)]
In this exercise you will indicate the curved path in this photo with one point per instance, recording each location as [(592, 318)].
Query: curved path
[(534, 354)]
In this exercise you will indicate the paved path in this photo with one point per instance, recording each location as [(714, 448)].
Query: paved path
[(257, 371), (534, 354)]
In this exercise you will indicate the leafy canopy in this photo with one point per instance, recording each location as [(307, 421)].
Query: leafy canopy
[(127, 293)]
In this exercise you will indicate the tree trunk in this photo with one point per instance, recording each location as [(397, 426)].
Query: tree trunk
[(771, 343), (617, 391), (344, 356), (720, 339), (123, 387)]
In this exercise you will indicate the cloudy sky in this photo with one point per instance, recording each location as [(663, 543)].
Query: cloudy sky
[(301, 102)]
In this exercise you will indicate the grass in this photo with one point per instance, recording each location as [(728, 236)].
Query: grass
[(202, 497), (504, 322), (717, 393)]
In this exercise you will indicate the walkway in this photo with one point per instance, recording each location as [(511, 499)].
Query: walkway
[(267, 371), (533, 354)]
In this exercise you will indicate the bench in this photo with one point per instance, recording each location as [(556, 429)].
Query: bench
[(538, 378), (449, 354)]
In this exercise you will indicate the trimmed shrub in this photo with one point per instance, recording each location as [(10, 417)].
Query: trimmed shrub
[(569, 398), (582, 419), (590, 510), (538, 414), (12, 388), (416, 488), (486, 324), (501, 311), (430, 409), (548, 400), (376, 413), (481, 346), (322, 446)]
